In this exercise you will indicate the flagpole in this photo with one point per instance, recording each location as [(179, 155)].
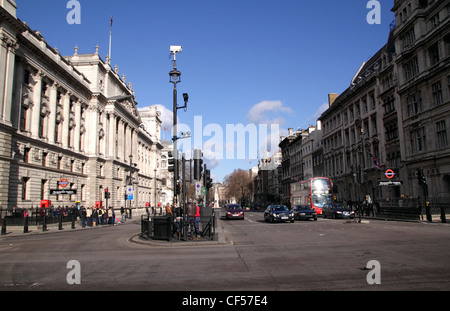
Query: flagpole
[(110, 36)]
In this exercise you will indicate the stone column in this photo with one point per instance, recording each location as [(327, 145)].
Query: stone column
[(36, 109), (53, 94), (76, 138), (66, 117)]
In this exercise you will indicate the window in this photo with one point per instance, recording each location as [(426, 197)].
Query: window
[(441, 132), (26, 154), (43, 184), (44, 158), (435, 21), (25, 186), (433, 52), (408, 39), (418, 140), (389, 105), (414, 104), (437, 94), (411, 68), (391, 131)]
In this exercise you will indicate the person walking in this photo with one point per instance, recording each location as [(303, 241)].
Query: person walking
[(110, 216), (122, 213), (168, 210), (197, 221)]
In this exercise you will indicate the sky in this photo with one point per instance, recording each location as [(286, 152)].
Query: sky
[(257, 67)]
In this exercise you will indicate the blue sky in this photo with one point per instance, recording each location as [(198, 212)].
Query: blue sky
[(243, 61)]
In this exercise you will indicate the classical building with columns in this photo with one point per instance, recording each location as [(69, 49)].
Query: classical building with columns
[(72, 119)]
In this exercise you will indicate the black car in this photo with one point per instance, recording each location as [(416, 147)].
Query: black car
[(304, 212), (278, 213), (337, 210), (235, 211)]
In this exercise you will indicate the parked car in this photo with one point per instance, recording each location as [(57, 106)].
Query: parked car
[(337, 210), (304, 212), (235, 211), (278, 213)]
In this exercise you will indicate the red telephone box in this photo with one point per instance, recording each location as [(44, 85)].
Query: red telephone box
[(46, 203)]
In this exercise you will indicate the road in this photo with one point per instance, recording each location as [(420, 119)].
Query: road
[(316, 255)]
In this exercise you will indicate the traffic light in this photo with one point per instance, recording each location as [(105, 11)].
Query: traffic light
[(178, 189), (208, 180), (421, 178), (107, 194), (173, 164), (198, 164)]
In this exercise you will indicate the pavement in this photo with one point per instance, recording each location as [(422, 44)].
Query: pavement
[(17, 231)]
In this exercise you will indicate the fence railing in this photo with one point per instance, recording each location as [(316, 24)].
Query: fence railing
[(183, 229), (407, 208)]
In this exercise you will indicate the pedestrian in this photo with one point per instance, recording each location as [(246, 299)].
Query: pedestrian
[(168, 210), (178, 213), (83, 217), (99, 215), (190, 218), (89, 216), (110, 216), (197, 220), (160, 208), (94, 216), (122, 212)]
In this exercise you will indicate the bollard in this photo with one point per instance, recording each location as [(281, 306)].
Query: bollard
[(73, 221), (25, 225), (44, 225), (443, 216), (60, 227), (4, 226)]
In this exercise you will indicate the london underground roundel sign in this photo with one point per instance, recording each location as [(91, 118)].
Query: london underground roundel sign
[(63, 183), (389, 174)]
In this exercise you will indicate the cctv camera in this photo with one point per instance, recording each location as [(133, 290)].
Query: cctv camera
[(175, 49)]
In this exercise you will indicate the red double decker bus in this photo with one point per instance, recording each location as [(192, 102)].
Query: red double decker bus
[(314, 192)]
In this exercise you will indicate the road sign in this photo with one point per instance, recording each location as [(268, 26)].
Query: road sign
[(129, 193), (198, 188), (389, 174)]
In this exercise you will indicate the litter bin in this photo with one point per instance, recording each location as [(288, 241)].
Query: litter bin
[(162, 228)]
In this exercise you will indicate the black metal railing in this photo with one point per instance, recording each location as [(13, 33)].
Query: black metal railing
[(413, 209), (184, 229)]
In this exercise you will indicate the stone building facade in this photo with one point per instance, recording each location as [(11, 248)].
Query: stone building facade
[(396, 113), (72, 119)]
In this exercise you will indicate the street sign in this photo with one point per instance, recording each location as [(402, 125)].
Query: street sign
[(391, 183), (63, 183), (129, 193), (198, 188), (60, 192), (389, 174)]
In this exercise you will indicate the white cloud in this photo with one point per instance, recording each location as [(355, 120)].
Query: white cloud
[(318, 113), (166, 117), (267, 112)]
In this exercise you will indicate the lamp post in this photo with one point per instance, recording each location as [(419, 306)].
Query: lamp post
[(175, 78)]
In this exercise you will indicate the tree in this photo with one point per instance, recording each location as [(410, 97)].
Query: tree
[(239, 185)]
